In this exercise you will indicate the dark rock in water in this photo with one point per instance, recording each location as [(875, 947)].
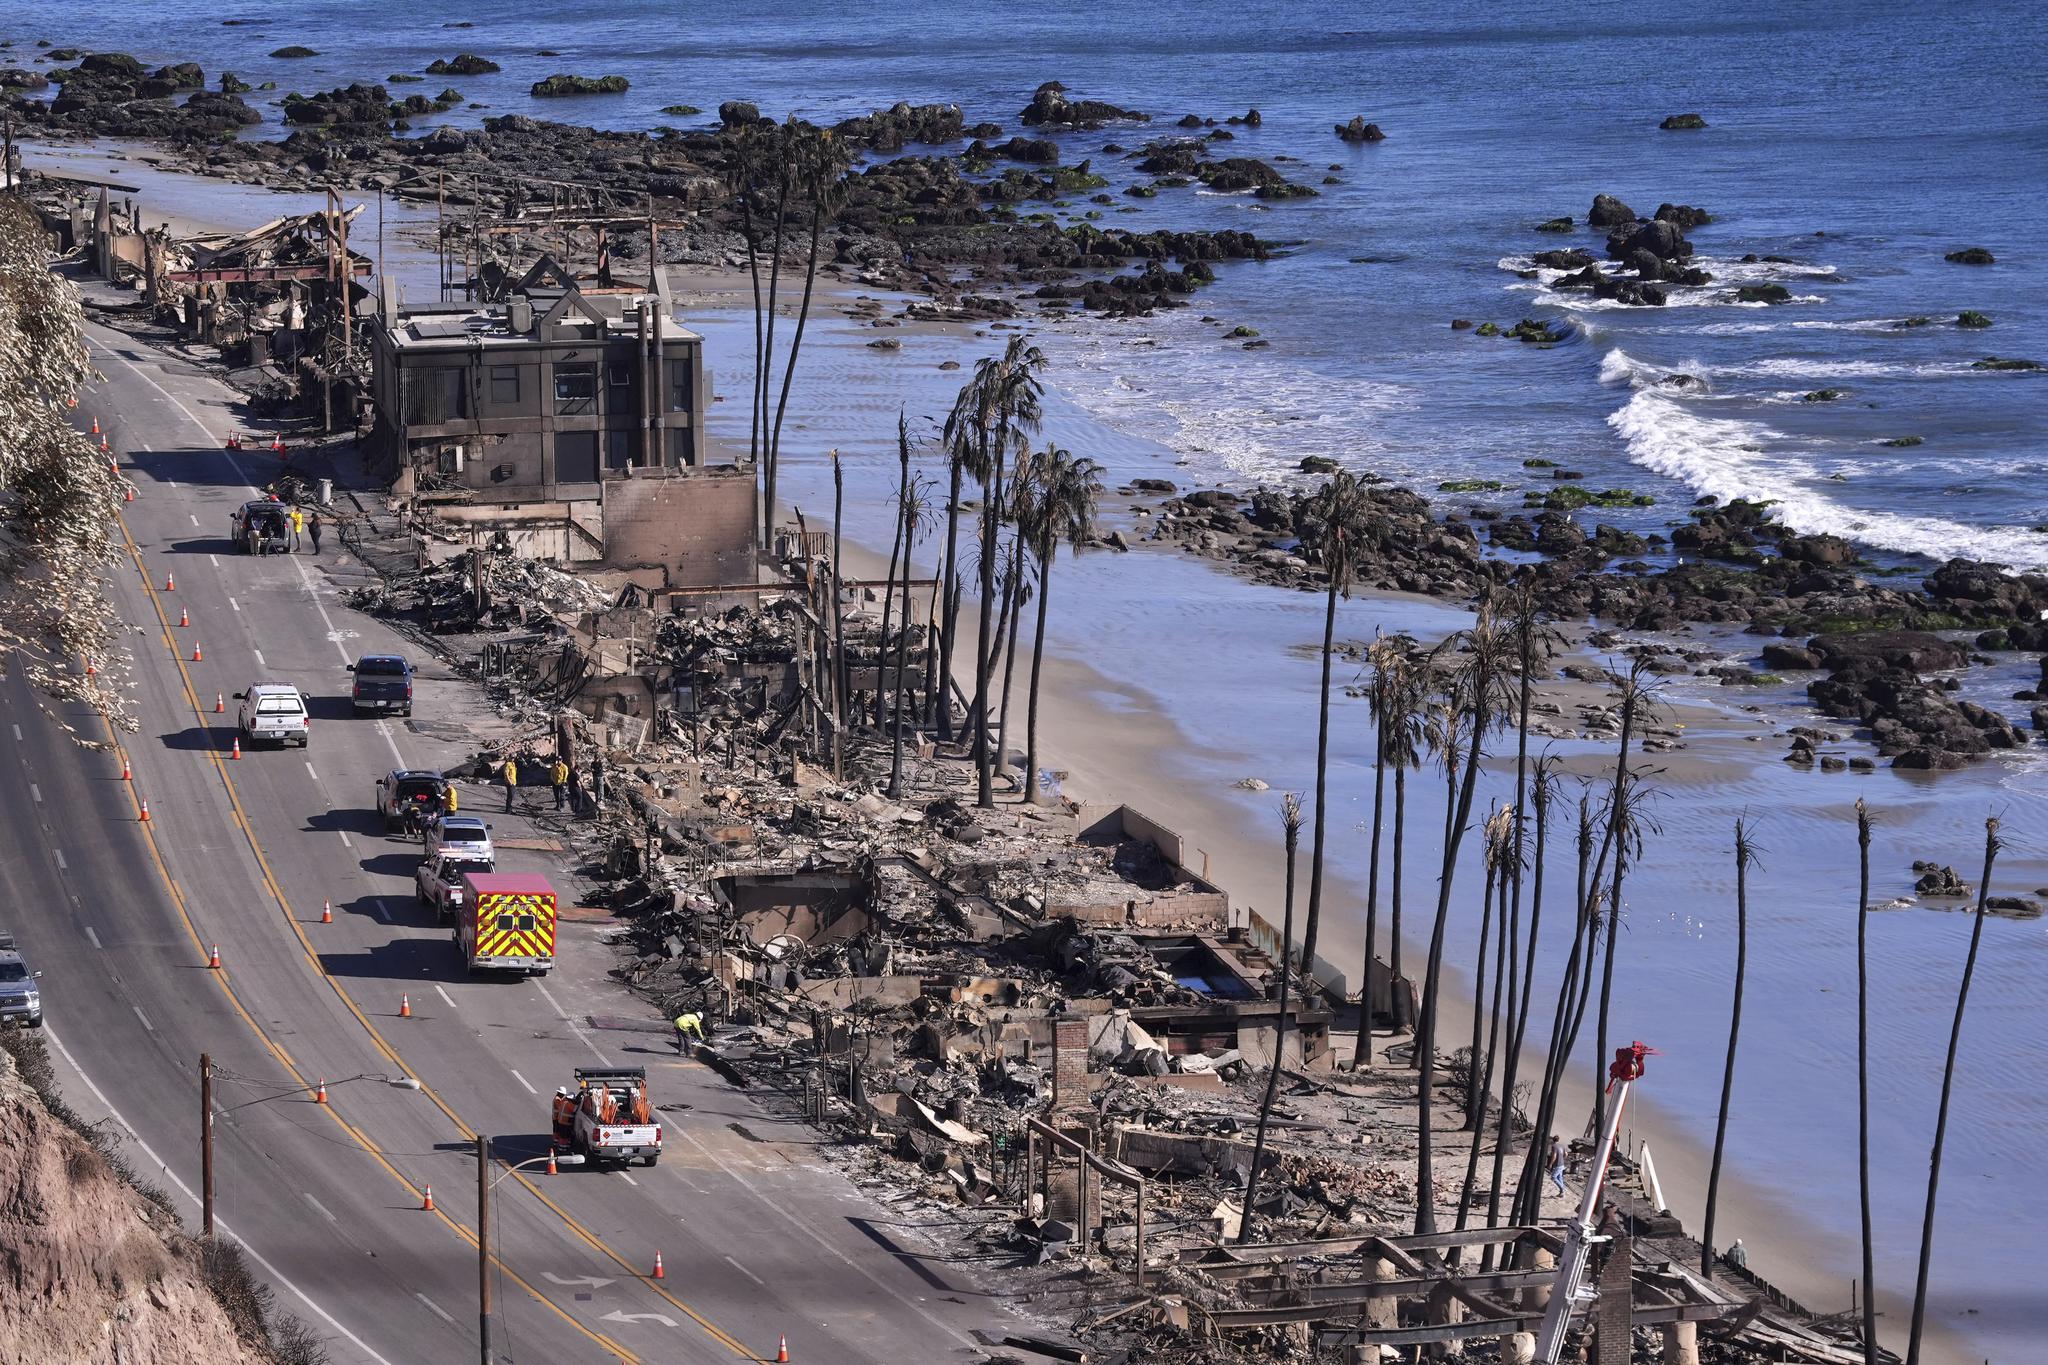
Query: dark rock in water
[(1994, 362), (1658, 236), (231, 84), (1790, 657), (1817, 549), (1647, 264), (1679, 123), (463, 64), (180, 76), (1935, 880), (1971, 255), (891, 129), (1570, 258), (1685, 216), (1970, 318), (15, 78), (1764, 293), (1609, 212), (2013, 907), (1190, 121), (293, 52), (733, 113), (1154, 485), (1358, 130), (1251, 118), (352, 105), (1555, 225), (1605, 286), (1461, 324), (560, 84), (1931, 760), (1050, 108)]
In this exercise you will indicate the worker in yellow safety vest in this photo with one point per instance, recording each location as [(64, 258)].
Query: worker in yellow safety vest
[(688, 1025), (511, 781)]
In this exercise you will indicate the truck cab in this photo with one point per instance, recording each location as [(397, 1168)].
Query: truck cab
[(438, 882), (383, 682), (609, 1117), (274, 711)]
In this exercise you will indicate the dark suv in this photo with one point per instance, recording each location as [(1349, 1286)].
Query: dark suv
[(383, 683)]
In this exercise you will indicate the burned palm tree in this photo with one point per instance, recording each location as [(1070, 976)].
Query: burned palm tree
[(1382, 658), (1337, 517), (1863, 1080), (1500, 849), (1541, 793), (1948, 1080), (1476, 691), (1290, 827), (1403, 731), (915, 515), (1069, 490), (1014, 411), (1636, 697), (818, 165), (1745, 854)]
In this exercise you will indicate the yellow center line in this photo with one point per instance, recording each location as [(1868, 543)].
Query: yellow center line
[(221, 978), (590, 1238)]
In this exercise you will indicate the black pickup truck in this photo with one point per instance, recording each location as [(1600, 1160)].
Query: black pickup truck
[(383, 683)]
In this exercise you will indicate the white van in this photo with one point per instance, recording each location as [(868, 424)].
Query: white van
[(274, 711)]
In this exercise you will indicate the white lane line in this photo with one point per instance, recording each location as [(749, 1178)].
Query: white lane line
[(309, 770), (62, 866), (321, 1207), (523, 1081), (211, 560), (811, 1233), (746, 1272), (233, 603), (382, 913), (194, 516), (36, 792), (574, 1027), (259, 658), (436, 1308), (444, 995), (94, 937), (186, 1190), (346, 841), (143, 1017), (170, 483), (17, 734), (627, 1178)]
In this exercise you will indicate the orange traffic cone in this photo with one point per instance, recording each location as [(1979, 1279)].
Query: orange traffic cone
[(213, 957), (427, 1204), (89, 669), (327, 912), (220, 702), (781, 1347), (71, 401), (126, 776), (234, 443), (657, 1267), (170, 582), (277, 444), (320, 1094), (197, 656), (145, 808), (184, 617), (103, 445), (236, 751), (405, 1007), (128, 494), (551, 1162), (95, 426)]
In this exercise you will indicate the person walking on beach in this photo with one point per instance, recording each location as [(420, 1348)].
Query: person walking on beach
[(511, 773), (1556, 1160), (558, 778), (313, 529)]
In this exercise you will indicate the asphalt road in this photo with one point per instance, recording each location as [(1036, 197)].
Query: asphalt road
[(759, 1236)]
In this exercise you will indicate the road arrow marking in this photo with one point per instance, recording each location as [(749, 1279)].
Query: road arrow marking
[(661, 1318), (594, 1281)]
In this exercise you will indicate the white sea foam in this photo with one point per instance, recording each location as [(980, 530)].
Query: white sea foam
[(1733, 458)]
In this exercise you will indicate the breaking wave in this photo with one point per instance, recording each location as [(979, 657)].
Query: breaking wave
[(1731, 458)]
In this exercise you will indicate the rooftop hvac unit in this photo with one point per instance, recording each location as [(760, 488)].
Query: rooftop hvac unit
[(519, 316)]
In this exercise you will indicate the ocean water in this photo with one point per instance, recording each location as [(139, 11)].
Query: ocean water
[(1858, 143)]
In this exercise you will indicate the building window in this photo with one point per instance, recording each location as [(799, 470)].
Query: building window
[(575, 456), (436, 395), (682, 384), (618, 453), (505, 386), (575, 389)]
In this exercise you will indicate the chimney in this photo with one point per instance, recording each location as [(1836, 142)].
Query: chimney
[(519, 315)]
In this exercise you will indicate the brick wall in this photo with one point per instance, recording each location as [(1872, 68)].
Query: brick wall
[(699, 527)]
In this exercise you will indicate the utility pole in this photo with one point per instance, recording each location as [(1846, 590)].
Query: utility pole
[(483, 1244), (206, 1143)]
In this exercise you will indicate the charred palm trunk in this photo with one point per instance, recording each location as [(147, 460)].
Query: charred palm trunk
[(1361, 1052), (1312, 921), (1617, 822), (1743, 855), (942, 702), (1520, 1012), (1863, 1081), (1948, 1080), (1037, 659), (985, 641), (1290, 819)]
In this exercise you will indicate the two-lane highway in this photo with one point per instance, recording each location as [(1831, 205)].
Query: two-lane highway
[(759, 1236)]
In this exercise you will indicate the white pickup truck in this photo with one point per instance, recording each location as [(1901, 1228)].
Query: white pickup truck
[(438, 880), (609, 1118)]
